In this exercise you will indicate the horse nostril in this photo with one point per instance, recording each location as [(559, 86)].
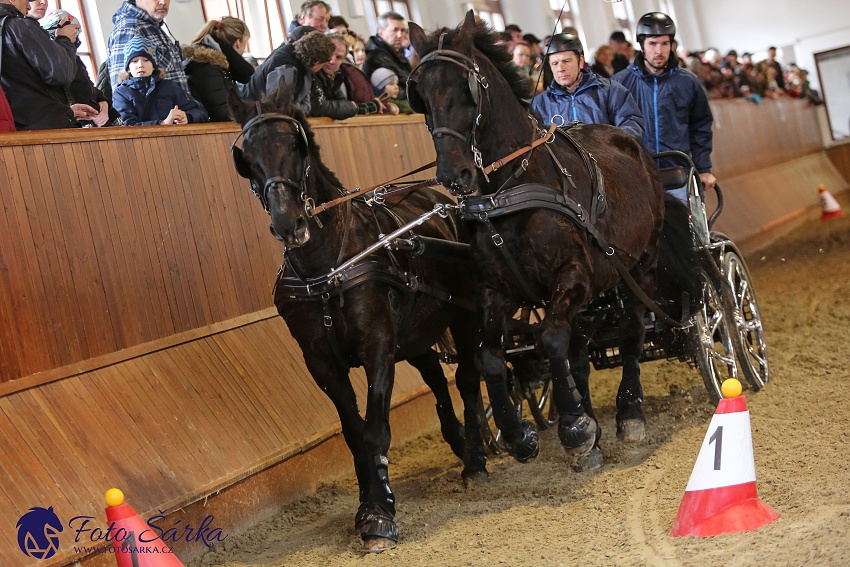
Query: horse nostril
[(300, 226)]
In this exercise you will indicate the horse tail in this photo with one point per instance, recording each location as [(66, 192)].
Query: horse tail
[(678, 260), (446, 348)]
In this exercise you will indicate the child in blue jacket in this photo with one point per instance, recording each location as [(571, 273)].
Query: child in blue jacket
[(144, 98)]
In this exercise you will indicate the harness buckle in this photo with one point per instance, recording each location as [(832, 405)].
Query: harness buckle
[(497, 239), (328, 321)]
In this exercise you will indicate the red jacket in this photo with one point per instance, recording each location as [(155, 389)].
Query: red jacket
[(7, 123)]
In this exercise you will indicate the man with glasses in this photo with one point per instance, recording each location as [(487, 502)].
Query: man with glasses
[(385, 50)]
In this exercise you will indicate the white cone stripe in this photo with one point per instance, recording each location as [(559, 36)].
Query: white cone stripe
[(726, 456), (828, 202)]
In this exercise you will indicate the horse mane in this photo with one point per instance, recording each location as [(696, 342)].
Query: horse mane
[(280, 101), (486, 41)]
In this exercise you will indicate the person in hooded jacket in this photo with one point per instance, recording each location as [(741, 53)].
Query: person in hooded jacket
[(146, 19), (577, 94), (293, 65), (145, 98), (330, 94), (673, 103), (214, 61)]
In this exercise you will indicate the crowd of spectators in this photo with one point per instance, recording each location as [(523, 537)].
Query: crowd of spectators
[(332, 71)]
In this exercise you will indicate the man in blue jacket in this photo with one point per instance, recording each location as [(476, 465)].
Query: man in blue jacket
[(675, 107), (578, 94)]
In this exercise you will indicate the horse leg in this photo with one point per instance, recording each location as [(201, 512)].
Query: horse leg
[(375, 518), (333, 379), (580, 365), (576, 428), (428, 365), (468, 382), (631, 423), (520, 436)]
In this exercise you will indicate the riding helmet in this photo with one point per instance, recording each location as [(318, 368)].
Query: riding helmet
[(655, 23), (565, 42)]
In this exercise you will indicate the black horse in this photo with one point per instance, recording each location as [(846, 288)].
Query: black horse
[(555, 213), (384, 309)]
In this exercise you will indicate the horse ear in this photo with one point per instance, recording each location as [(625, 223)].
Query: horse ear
[(282, 98), (466, 33), (417, 36), (239, 111)]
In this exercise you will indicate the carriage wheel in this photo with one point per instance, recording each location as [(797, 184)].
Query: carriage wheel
[(538, 395), (714, 335), (752, 351)]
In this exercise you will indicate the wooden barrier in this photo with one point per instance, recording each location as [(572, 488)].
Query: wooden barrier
[(139, 347)]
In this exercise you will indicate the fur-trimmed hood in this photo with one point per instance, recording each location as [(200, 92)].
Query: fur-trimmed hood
[(202, 54)]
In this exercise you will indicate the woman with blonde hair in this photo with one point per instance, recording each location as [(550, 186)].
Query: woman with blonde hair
[(603, 61), (214, 61)]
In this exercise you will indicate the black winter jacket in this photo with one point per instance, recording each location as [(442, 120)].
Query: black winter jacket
[(380, 54), (36, 73), (211, 68), (292, 71)]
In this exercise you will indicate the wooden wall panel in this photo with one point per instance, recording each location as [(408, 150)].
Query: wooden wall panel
[(139, 234)]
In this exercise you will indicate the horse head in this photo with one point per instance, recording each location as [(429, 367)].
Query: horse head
[(466, 88), (275, 157)]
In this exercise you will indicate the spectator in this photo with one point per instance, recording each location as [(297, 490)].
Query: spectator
[(603, 62), (214, 61), (82, 90), (329, 95), (384, 50), (533, 43), (577, 94), (622, 50), (772, 62), (358, 52), (37, 70), (37, 9), (292, 64), (7, 121), (516, 35), (313, 13), (146, 19), (385, 85), (145, 98), (338, 25), (675, 108), (522, 57)]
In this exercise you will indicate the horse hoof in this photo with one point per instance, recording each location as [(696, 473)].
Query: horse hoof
[(589, 462), (631, 430), (379, 532), (526, 448), (474, 478), (377, 544), (578, 437)]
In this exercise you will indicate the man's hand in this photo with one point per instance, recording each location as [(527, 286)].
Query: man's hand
[(102, 116), (176, 116), (708, 180), (84, 112)]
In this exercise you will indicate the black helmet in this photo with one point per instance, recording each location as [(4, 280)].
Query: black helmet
[(565, 42), (655, 23)]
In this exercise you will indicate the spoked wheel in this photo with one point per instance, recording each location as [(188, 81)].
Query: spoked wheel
[(538, 396), (714, 335), (752, 354)]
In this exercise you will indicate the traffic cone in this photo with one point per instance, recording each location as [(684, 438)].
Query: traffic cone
[(134, 542), (721, 495), (830, 207)]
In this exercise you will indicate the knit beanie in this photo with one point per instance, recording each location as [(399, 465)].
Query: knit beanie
[(138, 47), (381, 77)]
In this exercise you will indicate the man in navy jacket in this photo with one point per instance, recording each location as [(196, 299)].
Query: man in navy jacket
[(578, 94), (675, 107)]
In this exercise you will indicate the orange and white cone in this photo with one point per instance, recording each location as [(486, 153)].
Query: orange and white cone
[(134, 542), (829, 206), (721, 496)]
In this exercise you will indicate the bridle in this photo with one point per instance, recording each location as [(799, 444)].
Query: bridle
[(478, 85), (244, 169)]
